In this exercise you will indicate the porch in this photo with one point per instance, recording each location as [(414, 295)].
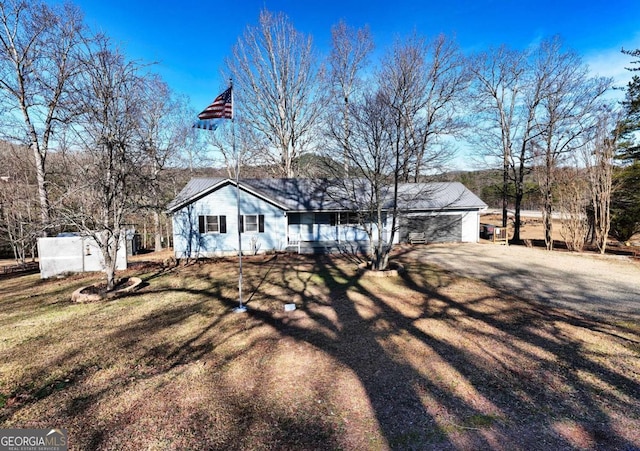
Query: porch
[(330, 247), (327, 230)]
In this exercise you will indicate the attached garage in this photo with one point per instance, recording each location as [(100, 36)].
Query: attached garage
[(444, 212)]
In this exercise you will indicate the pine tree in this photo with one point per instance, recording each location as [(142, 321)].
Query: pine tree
[(625, 204), (629, 146)]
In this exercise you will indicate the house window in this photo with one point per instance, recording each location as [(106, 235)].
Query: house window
[(212, 224), (252, 223)]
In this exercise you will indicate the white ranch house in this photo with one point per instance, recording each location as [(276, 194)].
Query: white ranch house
[(276, 213)]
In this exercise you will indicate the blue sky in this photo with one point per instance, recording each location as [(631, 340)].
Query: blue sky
[(190, 39)]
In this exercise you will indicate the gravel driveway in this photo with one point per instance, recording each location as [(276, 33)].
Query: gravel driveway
[(599, 285)]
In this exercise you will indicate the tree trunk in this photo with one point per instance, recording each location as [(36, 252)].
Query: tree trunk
[(158, 231), (43, 194), (168, 229), (111, 277), (108, 244), (109, 267), (144, 233), (382, 254), (519, 188), (345, 125), (517, 222), (505, 189), (602, 223), (547, 218)]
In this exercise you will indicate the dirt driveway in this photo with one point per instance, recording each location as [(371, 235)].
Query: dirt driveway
[(599, 285)]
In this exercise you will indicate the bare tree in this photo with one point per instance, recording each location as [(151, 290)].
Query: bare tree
[(373, 174), (38, 59), (107, 179), (446, 79), (401, 85), (162, 133), (598, 159), (570, 102), (349, 55), (275, 86), (18, 216), (573, 202), (18, 202), (503, 133), (386, 145), (195, 153)]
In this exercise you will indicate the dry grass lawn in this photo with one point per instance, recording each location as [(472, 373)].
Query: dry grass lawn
[(421, 361)]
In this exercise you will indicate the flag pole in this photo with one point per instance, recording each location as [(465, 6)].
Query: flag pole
[(223, 108), (241, 308)]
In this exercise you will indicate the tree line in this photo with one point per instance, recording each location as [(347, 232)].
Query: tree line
[(93, 141)]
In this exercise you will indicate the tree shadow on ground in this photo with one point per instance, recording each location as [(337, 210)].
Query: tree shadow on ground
[(364, 337), (554, 373), (456, 396), (436, 371)]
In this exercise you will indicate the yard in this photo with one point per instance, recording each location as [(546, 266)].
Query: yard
[(425, 360)]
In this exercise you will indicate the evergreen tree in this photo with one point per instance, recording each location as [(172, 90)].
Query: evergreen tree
[(629, 146), (625, 205)]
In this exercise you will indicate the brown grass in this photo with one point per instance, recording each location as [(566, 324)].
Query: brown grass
[(425, 360)]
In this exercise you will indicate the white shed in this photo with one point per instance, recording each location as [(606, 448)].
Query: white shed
[(71, 254)]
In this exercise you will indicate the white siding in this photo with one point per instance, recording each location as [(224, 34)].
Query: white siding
[(326, 232), (59, 255), (471, 227), (188, 242)]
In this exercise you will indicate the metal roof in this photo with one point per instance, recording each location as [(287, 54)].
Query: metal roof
[(324, 195), (193, 190), (437, 196), (299, 194)]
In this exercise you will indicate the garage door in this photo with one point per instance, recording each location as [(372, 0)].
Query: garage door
[(437, 229)]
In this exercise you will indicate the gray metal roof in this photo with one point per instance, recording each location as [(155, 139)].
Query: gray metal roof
[(437, 196), (192, 191), (325, 195)]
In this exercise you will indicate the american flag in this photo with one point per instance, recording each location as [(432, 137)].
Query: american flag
[(221, 107)]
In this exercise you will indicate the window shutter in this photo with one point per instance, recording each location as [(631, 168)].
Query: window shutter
[(223, 224), (261, 223), (241, 218), (201, 224)]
